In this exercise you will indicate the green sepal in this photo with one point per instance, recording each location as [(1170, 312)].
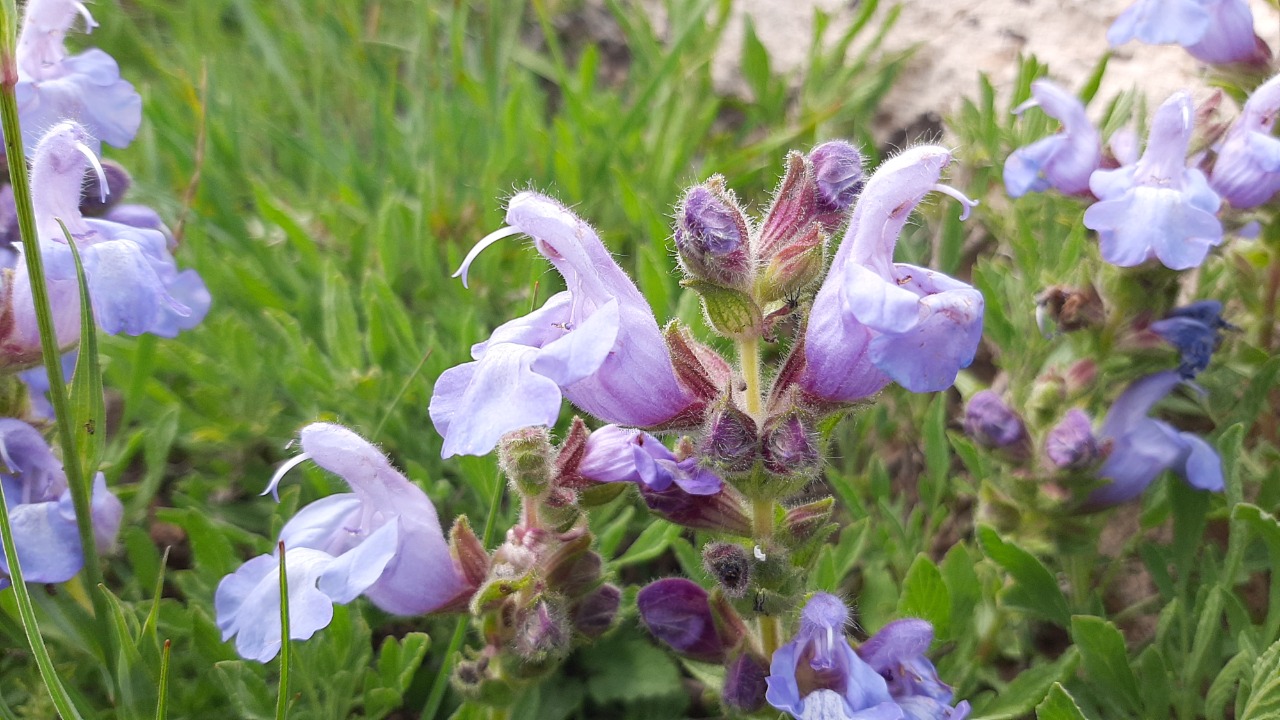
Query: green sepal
[(730, 312)]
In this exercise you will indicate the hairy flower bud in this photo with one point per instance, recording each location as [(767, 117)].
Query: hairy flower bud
[(729, 565), (594, 614), (525, 457), (991, 422), (806, 522), (543, 632), (711, 236), (837, 168), (731, 442), (789, 448), (1071, 443), (468, 552)]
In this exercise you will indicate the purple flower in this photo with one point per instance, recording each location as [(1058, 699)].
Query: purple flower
[(1063, 161), (1247, 171), (874, 320), (897, 653), (1215, 31), (1143, 447), (1196, 331), (1071, 444), (817, 675), (383, 540), (134, 284), (41, 511), (1157, 207), (677, 611), (596, 343), (618, 454), (991, 422), (711, 236), (53, 87)]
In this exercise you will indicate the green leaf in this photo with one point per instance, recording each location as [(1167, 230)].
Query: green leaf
[(629, 670), (88, 409), (653, 541), (937, 453), (1223, 688), (962, 581), (925, 596), (1264, 698), (1106, 661), (1029, 688), (1059, 705), (1034, 590)]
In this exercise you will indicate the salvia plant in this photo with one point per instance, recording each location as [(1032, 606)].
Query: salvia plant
[(983, 429)]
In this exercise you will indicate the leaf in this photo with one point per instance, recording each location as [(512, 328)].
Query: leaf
[(925, 596), (1059, 705), (1106, 661), (1034, 590), (962, 581), (628, 670), (1020, 696), (88, 409), (937, 453), (653, 541), (1264, 699), (1222, 690)]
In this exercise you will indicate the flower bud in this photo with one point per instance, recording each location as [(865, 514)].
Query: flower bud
[(837, 167), (789, 449), (700, 369), (731, 442), (468, 552), (793, 210), (1081, 376), (1048, 394), (711, 236), (543, 632), (745, 683), (794, 266), (525, 457), (678, 613), (721, 512), (573, 569), (1070, 445), (805, 522), (729, 565), (992, 423), (594, 614)]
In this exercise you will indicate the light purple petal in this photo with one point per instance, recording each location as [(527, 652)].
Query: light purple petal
[(1159, 22), (1024, 166), (579, 354), (354, 571), (879, 303), (325, 524), (247, 602), (1203, 467), (47, 541), (928, 357), (1137, 459)]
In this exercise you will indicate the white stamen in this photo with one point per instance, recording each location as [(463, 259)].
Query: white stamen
[(760, 554), (286, 467), (89, 22), (479, 247), (961, 197), (1026, 106), (97, 167)]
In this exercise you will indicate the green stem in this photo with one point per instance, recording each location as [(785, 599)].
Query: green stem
[(770, 634), (80, 486), (282, 693), (762, 519), (749, 359)]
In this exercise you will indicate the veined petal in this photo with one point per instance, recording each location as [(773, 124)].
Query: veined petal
[(354, 571), (330, 524), (247, 602), (475, 404), (579, 354)]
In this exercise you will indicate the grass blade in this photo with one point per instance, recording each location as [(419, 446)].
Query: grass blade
[(162, 703), (282, 694)]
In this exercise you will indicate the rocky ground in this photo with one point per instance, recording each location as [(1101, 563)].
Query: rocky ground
[(958, 39)]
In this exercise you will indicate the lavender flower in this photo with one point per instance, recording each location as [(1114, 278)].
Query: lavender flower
[(618, 454), (1215, 31), (86, 88), (874, 320), (897, 653), (1157, 207), (818, 676), (41, 511), (1142, 447), (1247, 171), (991, 422), (596, 343), (383, 540), (134, 284), (1063, 161)]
